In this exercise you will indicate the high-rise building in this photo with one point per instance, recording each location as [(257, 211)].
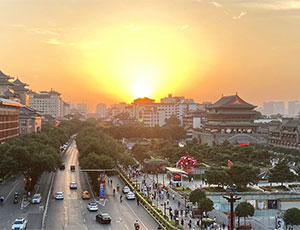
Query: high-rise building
[(272, 108), (82, 108), (101, 110), (293, 107), (46, 103)]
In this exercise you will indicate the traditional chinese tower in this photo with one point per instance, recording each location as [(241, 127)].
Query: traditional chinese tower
[(230, 115)]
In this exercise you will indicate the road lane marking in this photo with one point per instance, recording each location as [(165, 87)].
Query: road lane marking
[(10, 191), (135, 215), (102, 203)]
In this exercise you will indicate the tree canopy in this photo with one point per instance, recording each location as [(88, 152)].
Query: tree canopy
[(197, 195), (281, 173), (244, 209), (292, 216)]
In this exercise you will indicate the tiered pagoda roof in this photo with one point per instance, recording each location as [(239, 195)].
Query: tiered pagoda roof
[(19, 83), (233, 101), (4, 79)]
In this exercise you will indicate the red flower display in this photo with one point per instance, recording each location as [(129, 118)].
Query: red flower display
[(186, 161)]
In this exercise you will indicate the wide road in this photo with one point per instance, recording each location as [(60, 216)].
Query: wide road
[(72, 213), (32, 212)]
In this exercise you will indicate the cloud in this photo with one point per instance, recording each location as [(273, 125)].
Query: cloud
[(184, 27), (17, 25), (85, 45), (273, 4), (51, 41), (43, 31), (216, 4), (241, 15)]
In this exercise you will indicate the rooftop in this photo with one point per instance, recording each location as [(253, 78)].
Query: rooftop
[(233, 101)]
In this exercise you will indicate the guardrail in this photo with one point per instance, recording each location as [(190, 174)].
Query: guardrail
[(160, 219)]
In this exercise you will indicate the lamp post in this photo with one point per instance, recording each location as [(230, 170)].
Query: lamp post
[(163, 171), (231, 197)]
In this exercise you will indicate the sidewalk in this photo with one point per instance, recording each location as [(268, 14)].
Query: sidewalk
[(171, 205)]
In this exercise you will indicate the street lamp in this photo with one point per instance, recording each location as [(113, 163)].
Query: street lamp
[(231, 197)]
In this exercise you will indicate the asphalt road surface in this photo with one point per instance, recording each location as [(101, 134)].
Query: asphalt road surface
[(72, 212), (32, 213)]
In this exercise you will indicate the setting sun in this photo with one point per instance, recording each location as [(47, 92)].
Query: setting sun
[(140, 89)]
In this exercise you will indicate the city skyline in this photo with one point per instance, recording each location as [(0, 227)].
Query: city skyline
[(197, 48)]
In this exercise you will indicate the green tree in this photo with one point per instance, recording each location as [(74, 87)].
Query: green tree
[(140, 152), (241, 174), (172, 120), (281, 173), (244, 209), (292, 216), (197, 195), (95, 161), (205, 205), (217, 175)]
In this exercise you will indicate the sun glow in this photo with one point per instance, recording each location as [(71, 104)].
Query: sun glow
[(148, 62), (141, 89)]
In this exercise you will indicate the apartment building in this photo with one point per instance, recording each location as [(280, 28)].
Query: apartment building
[(101, 110), (49, 102), (9, 123), (293, 107), (273, 108), (30, 121)]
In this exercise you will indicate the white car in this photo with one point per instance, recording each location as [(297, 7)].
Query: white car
[(126, 189), (92, 206), (73, 185), (19, 224), (130, 196), (59, 196), (36, 199)]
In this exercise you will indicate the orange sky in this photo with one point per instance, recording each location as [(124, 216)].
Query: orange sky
[(109, 51)]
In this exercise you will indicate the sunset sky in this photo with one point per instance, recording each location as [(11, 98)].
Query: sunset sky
[(109, 51)]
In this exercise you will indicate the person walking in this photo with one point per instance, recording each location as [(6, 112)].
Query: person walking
[(190, 223)]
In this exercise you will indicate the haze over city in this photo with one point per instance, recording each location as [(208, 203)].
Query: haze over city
[(111, 51)]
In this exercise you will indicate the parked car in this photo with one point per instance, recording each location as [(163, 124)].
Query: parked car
[(36, 199), (62, 166), (19, 224), (126, 189), (85, 195), (92, 206), (130, 196), (103, 218), (72, 168), (59, 196), (73, 185)]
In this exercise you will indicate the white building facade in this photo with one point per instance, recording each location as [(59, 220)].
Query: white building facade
[(48, 103)]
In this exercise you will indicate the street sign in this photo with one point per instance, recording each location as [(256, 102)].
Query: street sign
[(101, 192)]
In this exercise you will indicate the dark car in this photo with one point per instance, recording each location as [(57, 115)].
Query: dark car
[(72, 167), (103, 218), (62, 166)]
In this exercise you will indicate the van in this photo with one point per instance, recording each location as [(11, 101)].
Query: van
[(72, 167)]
